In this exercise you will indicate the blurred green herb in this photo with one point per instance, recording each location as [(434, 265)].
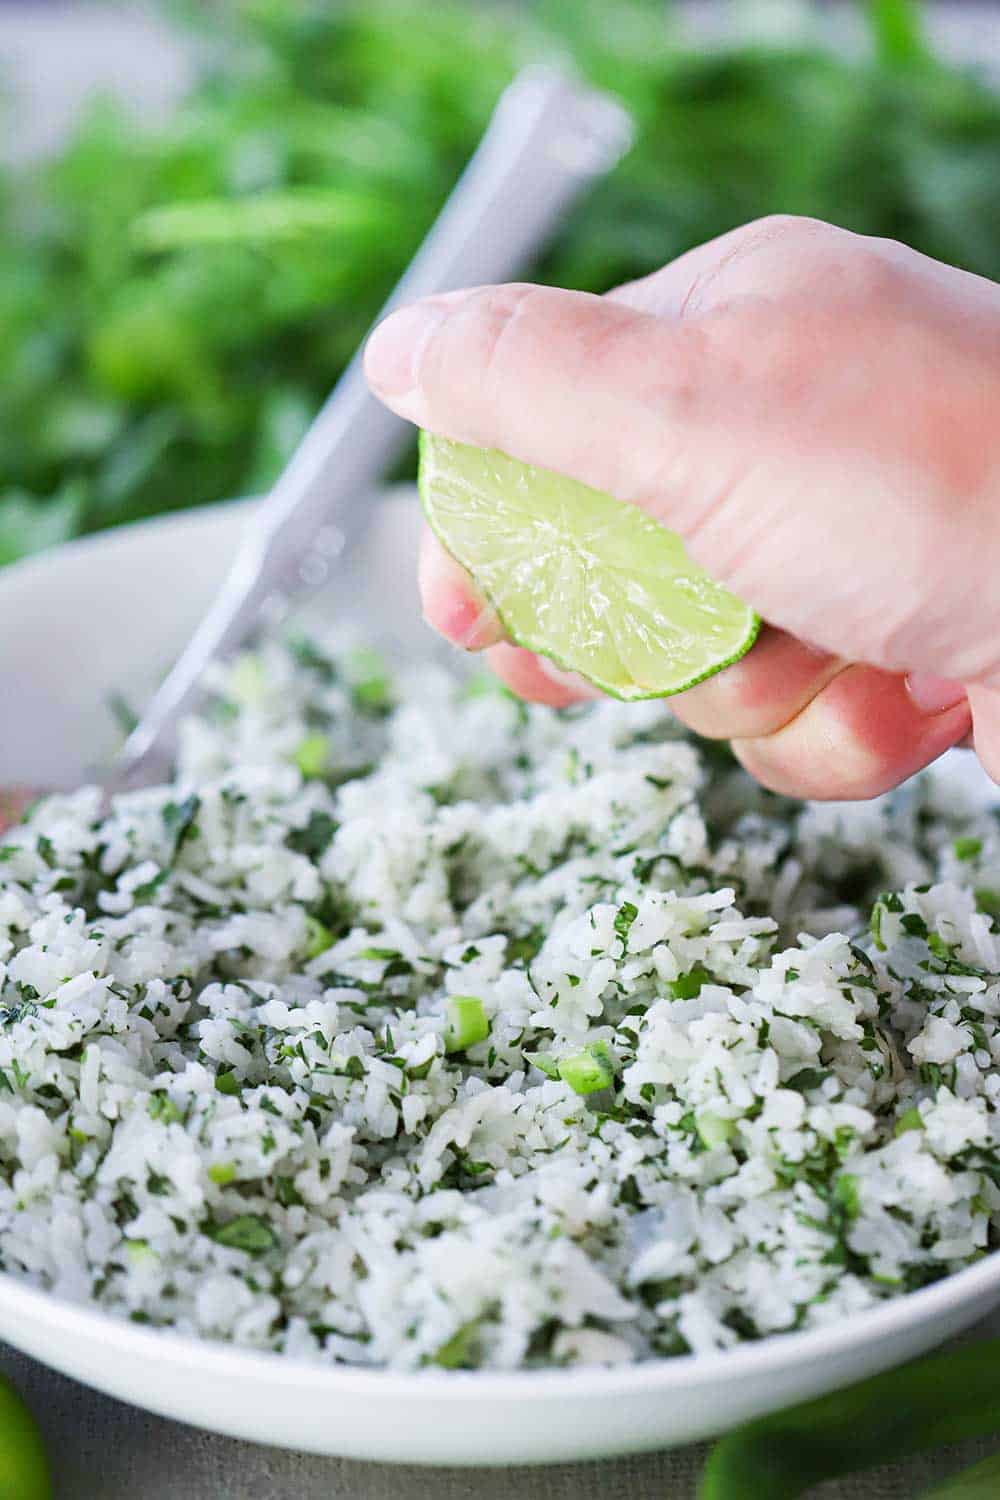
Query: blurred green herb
[(947, 1398), (24, 1469), (175, 303), (981, 1482)]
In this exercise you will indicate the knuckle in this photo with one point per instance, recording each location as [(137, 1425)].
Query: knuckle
[(781, 769), (861, 272), (756, 252), (784, 257), (777, 226), (505, 316), (474, 338)]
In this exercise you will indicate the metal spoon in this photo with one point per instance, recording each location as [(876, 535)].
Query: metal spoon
[(547, 140)]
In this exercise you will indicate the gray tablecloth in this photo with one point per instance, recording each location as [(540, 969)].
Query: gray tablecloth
[(104, 1450)]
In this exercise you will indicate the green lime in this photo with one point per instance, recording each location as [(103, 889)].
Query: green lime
[(24, 1470), (594, 584)]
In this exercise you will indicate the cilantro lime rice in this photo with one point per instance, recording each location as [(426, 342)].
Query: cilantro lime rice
[(414, 1027)]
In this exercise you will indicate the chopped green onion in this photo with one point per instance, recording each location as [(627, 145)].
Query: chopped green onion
[(138, 1251), (246, 679), (467, 1023), (313, 755), (714, 1130), (875, 926), (966, 848), (588, 1071), (910, 1119), (222, 1172), (318, 937)]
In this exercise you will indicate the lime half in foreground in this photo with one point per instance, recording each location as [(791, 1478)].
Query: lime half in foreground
[(594, 584)]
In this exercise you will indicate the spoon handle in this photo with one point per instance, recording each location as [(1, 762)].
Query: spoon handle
[(548, 138)]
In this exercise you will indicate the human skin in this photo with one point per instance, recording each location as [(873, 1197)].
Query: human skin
[(818, 415)]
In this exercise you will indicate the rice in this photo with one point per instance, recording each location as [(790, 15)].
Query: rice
[(411, 1026)]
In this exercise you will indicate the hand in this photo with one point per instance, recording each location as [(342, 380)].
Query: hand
[(818, 415)]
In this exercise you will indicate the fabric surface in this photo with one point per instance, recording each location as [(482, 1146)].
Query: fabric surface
[(104, 1450)]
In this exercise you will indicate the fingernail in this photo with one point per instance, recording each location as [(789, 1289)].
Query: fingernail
[(933, 695), (393, 351), (463, 619)]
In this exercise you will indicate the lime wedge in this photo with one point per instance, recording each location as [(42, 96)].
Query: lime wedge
[(594, 584)]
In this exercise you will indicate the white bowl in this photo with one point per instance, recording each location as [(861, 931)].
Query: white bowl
[(102, 616)]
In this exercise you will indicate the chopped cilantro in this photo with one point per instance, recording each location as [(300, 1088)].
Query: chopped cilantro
[(149, 888), (248, 1232), (988, 901), (161, 1107), (688, 986), (521, 950), (315, 837), (845, 1193), (287, 1193), (308, 655), (807, 1078), (544, 1062), (910, 1119), (179, 821), (624, 917), (122, 712), (459, 1352)]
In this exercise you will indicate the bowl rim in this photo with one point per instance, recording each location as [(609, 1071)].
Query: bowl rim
[(89, 1322), (776, 1351), (112, 536)]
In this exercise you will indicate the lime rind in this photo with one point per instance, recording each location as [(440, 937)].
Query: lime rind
[(592, 584)]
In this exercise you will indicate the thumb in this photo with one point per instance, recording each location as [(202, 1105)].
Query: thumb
[(605, 393), (769, 437)]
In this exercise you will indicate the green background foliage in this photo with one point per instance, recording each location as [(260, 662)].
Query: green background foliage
[(175, 302)]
